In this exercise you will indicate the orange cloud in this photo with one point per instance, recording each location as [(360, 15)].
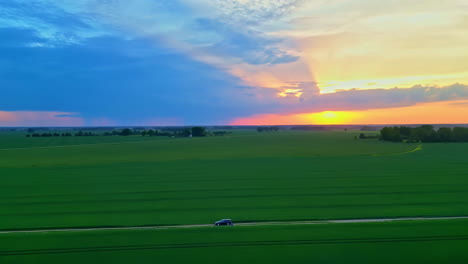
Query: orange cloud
[(450, 112), (39, 118), (7, 117)]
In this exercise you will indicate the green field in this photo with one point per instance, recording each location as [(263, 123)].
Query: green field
[(406, 242), (247, 176)]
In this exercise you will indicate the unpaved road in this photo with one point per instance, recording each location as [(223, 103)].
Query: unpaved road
[(345, 221)]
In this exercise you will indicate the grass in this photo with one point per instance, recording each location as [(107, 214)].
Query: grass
[(18, 140), (247, 176), (245, 145), (403, 242)]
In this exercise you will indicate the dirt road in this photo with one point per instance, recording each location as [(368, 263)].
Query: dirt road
[(338, 221)]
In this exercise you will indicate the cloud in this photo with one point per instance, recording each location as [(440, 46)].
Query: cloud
[(173, 62), (250, 46), (128, 81), (381, 98), (366, 102), (310, 88), (38, 118), (49, 20), (255, 11), (460, 103), (29, 11), (138, 81), (208, 36)]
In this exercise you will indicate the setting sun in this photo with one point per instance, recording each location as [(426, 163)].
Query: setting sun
[(329, 115), (332, 117)]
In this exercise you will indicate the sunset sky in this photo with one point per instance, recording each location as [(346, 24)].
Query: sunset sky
[(240, 62)]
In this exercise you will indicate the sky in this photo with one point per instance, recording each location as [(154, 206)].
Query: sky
[(238, 62)]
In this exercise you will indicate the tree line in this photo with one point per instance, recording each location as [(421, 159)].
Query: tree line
[(177, 132), (79, 134), (185, 132), (171, 132), (266, 129), (424, 133), (364, 136)]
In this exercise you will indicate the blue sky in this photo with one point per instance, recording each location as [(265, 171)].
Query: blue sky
[(185, 62), (128, 80), (57, 61)]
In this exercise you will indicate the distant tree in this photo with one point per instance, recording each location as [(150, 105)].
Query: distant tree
[(263, 129), (427, 127), (186, 132), (445, 134), (424, 133), (126, 132), (27, 135), (31, 130), (460, 134), (144, 133), (198, 131), (150, 132), (164, 134), (405, 132), (363, 136), (390, 134)]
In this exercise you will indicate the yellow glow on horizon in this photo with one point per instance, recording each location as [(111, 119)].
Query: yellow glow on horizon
[(331, 117), (328, 115), (449, 112)]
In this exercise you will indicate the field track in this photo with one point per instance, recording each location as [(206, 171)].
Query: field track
[(340, 221), (419, 147)]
